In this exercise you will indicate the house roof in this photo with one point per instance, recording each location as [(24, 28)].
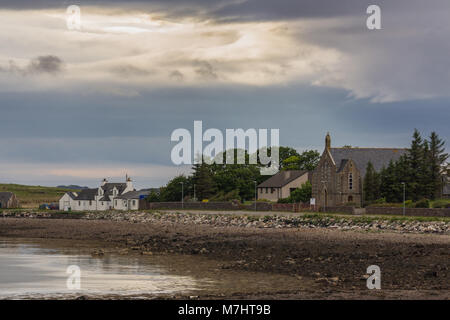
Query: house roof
[(379, 157), (87, 194), (282, 178), (5, 196), (133, 195), (108, 187), (71, 194)]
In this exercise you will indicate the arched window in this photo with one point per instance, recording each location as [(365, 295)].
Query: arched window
[(350, 181)]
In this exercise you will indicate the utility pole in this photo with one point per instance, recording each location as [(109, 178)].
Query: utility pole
[(195, 198), (255, 194), (404, 197)]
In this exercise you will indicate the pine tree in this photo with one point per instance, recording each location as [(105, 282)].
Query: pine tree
[(371, 184), (437, 158), (204, 182), (416, 163)]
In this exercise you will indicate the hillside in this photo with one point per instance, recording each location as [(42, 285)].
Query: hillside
[(32, 196)]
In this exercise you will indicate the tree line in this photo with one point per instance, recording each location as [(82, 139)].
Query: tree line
[(225, 182), (419, 171)]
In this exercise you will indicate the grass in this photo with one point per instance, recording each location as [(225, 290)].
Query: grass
[(371, 218), (33, 196)]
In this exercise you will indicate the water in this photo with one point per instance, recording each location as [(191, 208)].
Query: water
[(30, 270), (37, 269)]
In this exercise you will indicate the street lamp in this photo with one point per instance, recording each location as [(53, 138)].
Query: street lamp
[(404, 197), (255, 193), (195, 199), (182, 195)]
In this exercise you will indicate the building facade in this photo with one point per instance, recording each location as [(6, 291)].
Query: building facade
[(8, 200), (96, 199), (282, 184), (338, 178)]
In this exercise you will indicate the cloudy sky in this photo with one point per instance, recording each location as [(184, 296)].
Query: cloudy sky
[(102, 101)]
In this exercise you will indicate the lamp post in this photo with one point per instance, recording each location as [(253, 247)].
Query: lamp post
[(404, 197), (195, 199), (182, 195), (255, 194)]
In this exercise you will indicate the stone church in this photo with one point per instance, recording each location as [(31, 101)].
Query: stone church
[(338, 178)]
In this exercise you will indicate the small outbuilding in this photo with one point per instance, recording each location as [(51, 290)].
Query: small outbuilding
[(8, 200)]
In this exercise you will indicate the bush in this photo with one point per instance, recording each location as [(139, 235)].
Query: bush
[(423, 203), (441, 204), (285, 200)]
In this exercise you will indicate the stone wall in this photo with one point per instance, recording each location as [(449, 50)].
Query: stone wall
[(417, 212)]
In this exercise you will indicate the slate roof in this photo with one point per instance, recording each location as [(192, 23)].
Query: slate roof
[(282, 178), (5, 196), (71, 194), (87, 194), (133, 195), (379, 157), (108, 187)]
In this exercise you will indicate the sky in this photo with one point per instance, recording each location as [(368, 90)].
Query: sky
[(102, 101)]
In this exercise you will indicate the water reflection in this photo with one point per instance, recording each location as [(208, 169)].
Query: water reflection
[(29, 270)]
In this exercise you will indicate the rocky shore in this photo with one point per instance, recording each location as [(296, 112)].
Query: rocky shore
[(249, 220), (332, 252)]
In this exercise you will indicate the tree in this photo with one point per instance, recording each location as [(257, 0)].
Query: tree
[(172, 191), (437, 158), (416, 157), (202, 177), (372, 184), (307, 160)]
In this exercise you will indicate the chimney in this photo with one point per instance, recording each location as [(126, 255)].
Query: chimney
[(104, 182), (129, 183)]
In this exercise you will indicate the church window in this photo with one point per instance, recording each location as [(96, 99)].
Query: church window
[(350, 181)]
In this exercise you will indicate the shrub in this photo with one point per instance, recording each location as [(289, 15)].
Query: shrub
[(423, 203), (409, 204), (440, 204)]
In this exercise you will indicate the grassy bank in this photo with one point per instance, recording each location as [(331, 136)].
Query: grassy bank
[(32, 196)]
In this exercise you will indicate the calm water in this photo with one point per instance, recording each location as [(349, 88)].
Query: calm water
[(31, 270)]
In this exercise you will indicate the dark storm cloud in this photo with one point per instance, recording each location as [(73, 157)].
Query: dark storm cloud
[(238, 10)]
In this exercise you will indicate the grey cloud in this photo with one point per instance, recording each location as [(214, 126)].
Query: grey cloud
[(205, 70), (176, 75), (129, 70), (42, 64)]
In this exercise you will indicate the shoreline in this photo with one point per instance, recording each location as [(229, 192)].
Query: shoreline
[(413, 265)]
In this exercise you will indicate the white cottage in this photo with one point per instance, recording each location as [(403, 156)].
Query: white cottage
[(96, 199)]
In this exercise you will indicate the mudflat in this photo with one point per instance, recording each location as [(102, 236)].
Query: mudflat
[(332, 262)]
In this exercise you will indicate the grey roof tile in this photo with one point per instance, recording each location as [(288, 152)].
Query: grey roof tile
[(282, 178)]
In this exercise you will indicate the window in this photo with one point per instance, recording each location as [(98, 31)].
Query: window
[(350, 198), (79, 203), (272, 190), (90, 202), (115, 203), (267, 190), (134, 202), (350, 181), (125, 203)]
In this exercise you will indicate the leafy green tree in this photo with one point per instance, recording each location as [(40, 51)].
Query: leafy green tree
[(307, 160), (172, 191)]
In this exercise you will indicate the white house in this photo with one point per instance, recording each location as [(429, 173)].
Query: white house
[(101, 198), (129, 200), (67, 202)]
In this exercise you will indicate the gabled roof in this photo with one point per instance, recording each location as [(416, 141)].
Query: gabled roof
[(282, 178), (108, 187), (71, 194), (379, 157), (5, 196), (133, 195), (87, 194)]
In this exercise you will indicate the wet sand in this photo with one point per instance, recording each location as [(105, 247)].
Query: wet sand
[(301, 263)]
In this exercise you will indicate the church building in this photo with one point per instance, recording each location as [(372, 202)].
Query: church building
[(338, 178)]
